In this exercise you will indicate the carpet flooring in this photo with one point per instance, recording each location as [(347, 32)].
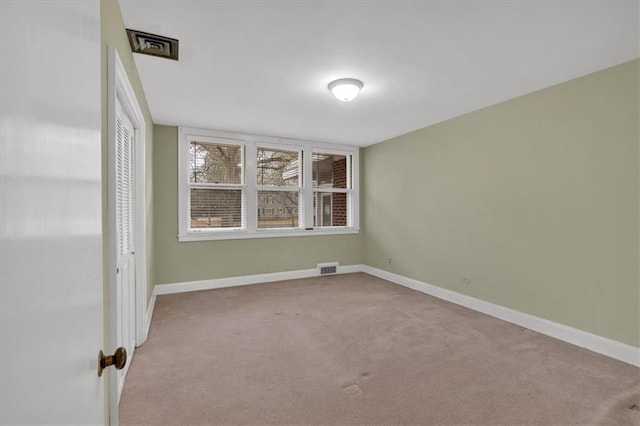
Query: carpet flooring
[(355, 349)]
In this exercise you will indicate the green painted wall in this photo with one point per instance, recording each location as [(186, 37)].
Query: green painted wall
[(191, 261), (536, 200), (113, 34)]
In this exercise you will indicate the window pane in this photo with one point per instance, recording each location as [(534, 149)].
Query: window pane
[(278, 167), (329, 209), (216, 208), (278, 209), (215, 163), (330, 170)]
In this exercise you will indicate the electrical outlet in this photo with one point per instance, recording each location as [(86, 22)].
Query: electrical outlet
[(466, 280), (389, 261)]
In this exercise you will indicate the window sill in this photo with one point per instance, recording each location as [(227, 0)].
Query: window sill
[(240, 235)]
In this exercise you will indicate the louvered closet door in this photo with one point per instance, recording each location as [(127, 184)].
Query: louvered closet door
[(125, 235)]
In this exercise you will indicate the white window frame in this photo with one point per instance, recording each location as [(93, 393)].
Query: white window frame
[(351, 200), (250, 142), (242, 186), (299, 189)]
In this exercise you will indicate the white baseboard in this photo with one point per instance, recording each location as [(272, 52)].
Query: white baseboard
[(246, 280), (602, 345)]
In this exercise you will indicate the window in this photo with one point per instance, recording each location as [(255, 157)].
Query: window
[(216, 187), (331, 183), (246, 186), (279, 183)]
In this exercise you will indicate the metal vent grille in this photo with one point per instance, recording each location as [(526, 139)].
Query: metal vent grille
[(328, 268), (153, 44)]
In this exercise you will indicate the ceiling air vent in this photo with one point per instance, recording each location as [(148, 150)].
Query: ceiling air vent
[(153, 44)]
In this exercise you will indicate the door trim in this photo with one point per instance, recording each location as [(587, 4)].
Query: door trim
[(119, 90)]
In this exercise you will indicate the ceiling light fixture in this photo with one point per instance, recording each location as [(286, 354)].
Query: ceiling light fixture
[(345, 89)]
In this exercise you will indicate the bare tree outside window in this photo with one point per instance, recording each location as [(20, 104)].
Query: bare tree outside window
[(216, 163), (216, 185), (279, 180)]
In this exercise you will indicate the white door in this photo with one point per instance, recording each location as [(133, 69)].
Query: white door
[(125, 231), (127, 222), (51, 274)]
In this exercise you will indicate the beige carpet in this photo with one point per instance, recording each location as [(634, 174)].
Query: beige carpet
[(354, 349)]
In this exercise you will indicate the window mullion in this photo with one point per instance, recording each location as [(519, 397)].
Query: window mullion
[(184, 195), (354, 192), (251, 194), (331, 190), (349, 185), (278, 188), (215, 186), (307, 188)]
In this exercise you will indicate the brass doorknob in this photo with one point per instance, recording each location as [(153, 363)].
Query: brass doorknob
[(118, 360)]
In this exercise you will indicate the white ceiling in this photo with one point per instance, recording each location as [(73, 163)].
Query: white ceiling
[(263, 67)]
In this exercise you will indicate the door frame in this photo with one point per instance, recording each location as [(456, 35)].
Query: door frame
[(119, 90)]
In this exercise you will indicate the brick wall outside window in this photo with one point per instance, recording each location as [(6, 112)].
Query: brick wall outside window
[(340, 200)]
